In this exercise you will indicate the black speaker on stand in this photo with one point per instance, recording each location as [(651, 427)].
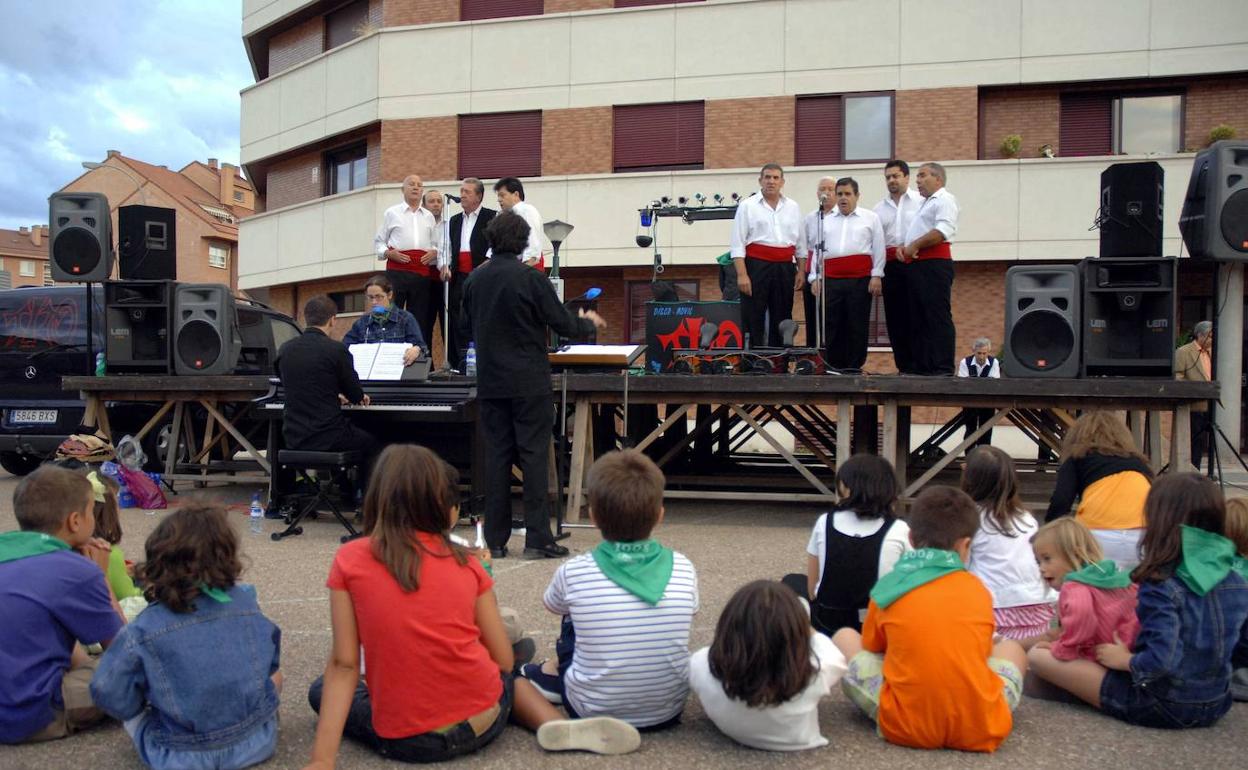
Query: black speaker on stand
[(136, 339), (147, 243), (1041, 321), (1128, 317), (80, 237), (1214, 222), (206, 339), (1132, 197)]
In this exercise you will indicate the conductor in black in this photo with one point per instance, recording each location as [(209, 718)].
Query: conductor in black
[(509, 307)]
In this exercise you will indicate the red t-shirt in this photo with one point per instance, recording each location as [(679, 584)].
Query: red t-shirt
[(425, 664)]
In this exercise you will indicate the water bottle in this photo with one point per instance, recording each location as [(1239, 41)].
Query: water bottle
[(470, 360), (99, 364), (257, 515)]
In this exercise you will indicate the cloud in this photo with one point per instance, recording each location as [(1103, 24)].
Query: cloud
[(157, 80)]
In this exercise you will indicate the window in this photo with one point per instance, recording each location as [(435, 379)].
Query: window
[(1144, 124), (500, 144), (346, 24), (218, 255), (239, 196), (473, 10), (641, 292), (877, 327), (348, 301), (26, 268), (843, 127), (659, 137), (346, 169)]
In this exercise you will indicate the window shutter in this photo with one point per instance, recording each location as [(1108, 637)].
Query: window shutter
[(659, 136), (1086, 126), (473, 10), (818, 125), (500, 144)]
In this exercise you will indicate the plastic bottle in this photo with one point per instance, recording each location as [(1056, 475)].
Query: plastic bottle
[(257, 515), (99, 364), (470, 360)]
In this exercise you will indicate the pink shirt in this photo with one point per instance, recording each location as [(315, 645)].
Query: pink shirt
[(1091, 616)]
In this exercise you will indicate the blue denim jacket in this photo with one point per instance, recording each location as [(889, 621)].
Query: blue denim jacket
[(204, 674), (395, 325), (1183, 652)]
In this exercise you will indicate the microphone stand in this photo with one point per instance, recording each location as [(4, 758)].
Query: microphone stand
[(823, 286), (443, 244)]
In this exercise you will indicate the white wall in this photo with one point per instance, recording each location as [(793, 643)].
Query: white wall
[(1031, 210)]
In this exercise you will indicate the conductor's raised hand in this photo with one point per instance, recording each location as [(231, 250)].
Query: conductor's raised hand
[(598, 321)]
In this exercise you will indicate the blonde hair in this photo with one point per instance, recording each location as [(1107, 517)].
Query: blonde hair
[(1237, 524), (1101, 432), (1073, 541)]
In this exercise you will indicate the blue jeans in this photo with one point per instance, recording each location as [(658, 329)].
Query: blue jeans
[(251, 749), (440, 746), (1123, 699)]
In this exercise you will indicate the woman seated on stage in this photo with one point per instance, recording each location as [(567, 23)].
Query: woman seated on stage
[(1102, 467), (386, 321)]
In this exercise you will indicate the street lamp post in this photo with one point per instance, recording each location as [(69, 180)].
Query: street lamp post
[(557, 231), (138, 183)]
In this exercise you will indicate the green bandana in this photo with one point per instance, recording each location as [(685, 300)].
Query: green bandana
[(1207, 559), (1101, 574), (725, 258), (642, 568), (218, 595), (1240, 565), (20, 545), (914, 568)]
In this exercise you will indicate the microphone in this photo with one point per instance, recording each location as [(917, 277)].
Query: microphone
[(591, 294), (450, 197), (823, 197)]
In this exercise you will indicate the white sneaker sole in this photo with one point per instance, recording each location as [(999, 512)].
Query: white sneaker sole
[(601, 735)]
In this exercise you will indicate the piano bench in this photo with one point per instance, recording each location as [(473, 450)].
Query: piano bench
[(300, 458), (304, 461)]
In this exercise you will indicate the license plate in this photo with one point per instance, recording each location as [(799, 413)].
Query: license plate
[(32, 417)]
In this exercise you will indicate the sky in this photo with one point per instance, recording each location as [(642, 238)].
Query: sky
[(158, 80)]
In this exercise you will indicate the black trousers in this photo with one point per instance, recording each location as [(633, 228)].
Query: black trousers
[(351, 439), (972, 419), (425, 303), (897, 314), (402, 282), (520, 431), (770, 301), (810, 303), (455, 353), (1199, 442), (847, 309), (930, 286)]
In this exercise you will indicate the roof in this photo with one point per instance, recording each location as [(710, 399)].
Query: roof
[(190, 196), (15, 243)]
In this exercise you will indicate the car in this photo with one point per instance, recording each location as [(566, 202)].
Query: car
[(43, 337)]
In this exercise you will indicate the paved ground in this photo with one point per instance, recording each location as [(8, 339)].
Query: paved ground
[(729, 545)]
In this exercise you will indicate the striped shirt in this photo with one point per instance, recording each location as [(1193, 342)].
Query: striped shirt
[(632, 659)]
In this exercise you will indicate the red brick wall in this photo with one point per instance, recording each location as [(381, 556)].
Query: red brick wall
[(297, 44), (937, 124), (561, 6), (576, 141), (1030, 113), (401, 13), (425, 146), (300, 177), (1213, 102), (746, 133)]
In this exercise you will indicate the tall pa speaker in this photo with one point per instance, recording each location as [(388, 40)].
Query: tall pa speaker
[(1131, 209), (80, 236), (205, 330), (137, 327), (1214, 221), (1128, 317), (147, 243), (1041, 321)]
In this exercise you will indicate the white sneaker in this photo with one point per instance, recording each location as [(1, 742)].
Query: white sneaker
[(601, 735)]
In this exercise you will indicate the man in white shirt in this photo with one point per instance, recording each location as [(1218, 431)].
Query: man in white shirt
[(435, 203), (851, 275), (408, 243), (467, 249), (510, 192), (930, 283), (766, 236), (895, 211), (979, 364)]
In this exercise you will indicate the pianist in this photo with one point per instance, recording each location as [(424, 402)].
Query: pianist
[(319, 380), (386, 321)]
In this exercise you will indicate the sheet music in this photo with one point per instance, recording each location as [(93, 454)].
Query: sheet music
[(624, 351), (379, 360), (362, 357)]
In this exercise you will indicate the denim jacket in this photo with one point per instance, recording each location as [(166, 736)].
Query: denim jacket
[(204, 674), (395, 325), (1183, 652)]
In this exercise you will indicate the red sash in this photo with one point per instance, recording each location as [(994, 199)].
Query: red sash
[(849, 266), (939, 251), (770, 253), (541, 262), (428, 271), (464, 264), (890, 253)]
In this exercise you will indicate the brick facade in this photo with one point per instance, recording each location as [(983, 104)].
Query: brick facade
[(576, 141), (746, 133), (563, 6), (1213, 102), (937, 124), (425, 146), (297, 44), (402, 13), (1033, 114), (301, 177)]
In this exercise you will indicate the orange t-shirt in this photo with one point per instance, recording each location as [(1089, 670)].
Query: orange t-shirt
[(938, 691)]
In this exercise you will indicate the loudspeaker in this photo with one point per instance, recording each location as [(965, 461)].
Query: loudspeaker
[(1128, 317), (137, 327), (147, 243), (80, 237), (1131, 209), (206, 339), (1041, 321), (1214, 221)]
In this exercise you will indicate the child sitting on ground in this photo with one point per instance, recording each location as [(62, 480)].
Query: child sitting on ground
[(763, 676), (1193, 611), (439, 680), (108, 528), (925, 667), (1096, 603), (1022, 605), (1237, 532), (49, 596), (852, 548), (627, 607), (195, 677)]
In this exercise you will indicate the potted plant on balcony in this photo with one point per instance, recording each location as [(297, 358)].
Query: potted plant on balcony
[(1220, 132), (1010, 145)]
